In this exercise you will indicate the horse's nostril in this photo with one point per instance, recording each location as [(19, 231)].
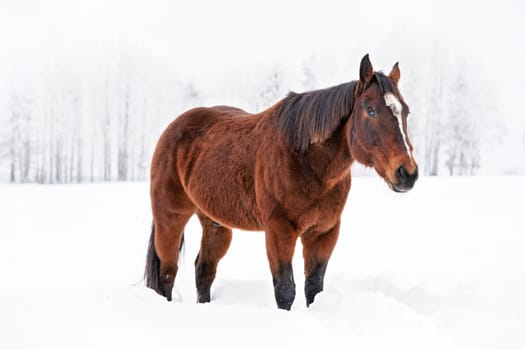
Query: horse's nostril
[(402, 173), (405, 180)]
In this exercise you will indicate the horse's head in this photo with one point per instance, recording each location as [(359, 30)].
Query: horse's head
[(378, 131)]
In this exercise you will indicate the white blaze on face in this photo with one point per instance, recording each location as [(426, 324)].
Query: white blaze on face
[(397, 108)]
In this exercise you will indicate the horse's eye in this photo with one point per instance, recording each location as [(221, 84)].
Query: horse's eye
[(371, 112)]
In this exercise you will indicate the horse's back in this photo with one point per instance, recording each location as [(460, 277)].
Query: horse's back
[(202, 117), (191, 126), (235, 111)]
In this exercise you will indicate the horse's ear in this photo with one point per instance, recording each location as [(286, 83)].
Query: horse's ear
[(366, 71), (395, 74)]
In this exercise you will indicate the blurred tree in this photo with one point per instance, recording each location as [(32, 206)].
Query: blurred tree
[(462, 154), (272, 89)]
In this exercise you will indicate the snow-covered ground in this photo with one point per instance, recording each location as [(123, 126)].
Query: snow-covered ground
[(441, 267)]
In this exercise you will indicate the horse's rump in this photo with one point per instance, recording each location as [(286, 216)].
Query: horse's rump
[(214, 155)]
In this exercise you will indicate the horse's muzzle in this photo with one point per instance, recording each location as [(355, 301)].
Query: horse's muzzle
[(405, 180)]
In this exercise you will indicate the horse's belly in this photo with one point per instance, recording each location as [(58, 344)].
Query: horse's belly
[(228, 199), (230, 211)]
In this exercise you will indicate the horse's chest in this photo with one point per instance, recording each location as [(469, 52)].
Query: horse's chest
[(323, 213)]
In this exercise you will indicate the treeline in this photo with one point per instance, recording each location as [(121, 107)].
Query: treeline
[(100, 122)]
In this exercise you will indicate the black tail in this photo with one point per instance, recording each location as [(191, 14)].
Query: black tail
[(152, 271)]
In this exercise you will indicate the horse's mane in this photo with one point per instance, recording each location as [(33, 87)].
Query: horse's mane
[(312, 117)]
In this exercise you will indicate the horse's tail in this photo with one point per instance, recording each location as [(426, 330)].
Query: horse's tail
[(152, 271)]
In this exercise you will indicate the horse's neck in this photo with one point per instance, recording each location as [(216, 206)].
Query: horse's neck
[(331, 160)]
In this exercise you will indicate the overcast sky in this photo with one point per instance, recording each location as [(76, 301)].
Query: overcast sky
[(218, 32), (202, 36), (210, 39)]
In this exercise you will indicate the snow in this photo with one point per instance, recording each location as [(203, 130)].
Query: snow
[(441, 267)]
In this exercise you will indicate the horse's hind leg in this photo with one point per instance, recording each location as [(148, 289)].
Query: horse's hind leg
[(168, 239), (317, 249), (171, 211), (215, 242)]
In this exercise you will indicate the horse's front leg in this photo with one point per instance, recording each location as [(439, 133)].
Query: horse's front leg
[(317, 249), (280, 245)]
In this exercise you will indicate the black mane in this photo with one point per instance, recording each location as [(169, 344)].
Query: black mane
[(314, 115)]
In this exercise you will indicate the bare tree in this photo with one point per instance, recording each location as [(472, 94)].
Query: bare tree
[(462, 138), (106, 132), (14, 122), (433, 128), (20, 137), (123, 145)]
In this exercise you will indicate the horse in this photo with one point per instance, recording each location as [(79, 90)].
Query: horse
[(284, 171)]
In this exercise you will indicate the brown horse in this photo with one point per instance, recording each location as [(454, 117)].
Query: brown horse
[(284, 171)]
